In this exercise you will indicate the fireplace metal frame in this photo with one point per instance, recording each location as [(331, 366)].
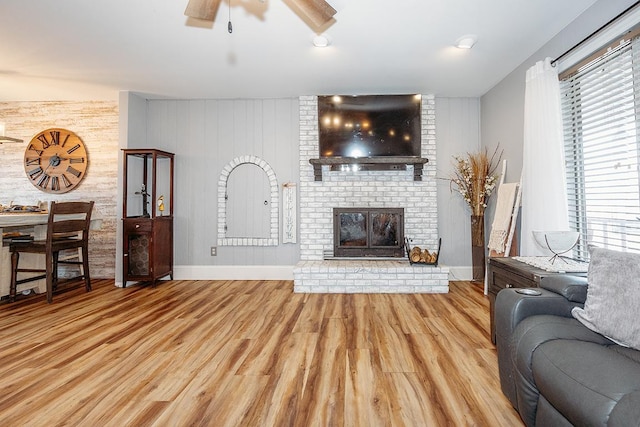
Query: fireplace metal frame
[(369, 250)]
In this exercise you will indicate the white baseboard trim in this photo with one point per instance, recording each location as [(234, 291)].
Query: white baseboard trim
[(233, 272), (460, 273), (267, 272), (264, 272)]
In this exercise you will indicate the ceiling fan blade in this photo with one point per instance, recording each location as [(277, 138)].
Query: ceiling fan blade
[(319, 12), (202, 9)]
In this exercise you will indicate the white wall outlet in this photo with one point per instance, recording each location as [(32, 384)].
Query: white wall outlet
[(214, 251)]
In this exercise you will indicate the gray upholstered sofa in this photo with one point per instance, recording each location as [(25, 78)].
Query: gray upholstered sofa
[(558, 372)]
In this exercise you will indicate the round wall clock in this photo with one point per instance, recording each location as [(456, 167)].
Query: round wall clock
[(55, 160)]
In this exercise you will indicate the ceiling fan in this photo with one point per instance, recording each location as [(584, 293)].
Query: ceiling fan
[(317, 12)]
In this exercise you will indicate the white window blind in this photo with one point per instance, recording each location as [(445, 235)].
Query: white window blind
[(601, 107)]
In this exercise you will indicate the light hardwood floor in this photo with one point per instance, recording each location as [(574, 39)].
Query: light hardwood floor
[(238, 353)]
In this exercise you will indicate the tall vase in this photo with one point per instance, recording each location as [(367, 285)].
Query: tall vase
[(477, 247)]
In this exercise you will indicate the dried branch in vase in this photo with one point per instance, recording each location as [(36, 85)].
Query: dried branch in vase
[(475, 178)]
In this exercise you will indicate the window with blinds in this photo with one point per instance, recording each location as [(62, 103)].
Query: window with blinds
[(601, 107)]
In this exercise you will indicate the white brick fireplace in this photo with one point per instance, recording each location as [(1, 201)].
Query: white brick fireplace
[(386, 189)]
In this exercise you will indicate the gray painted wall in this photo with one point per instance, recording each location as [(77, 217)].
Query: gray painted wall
[(208, 134), (458, 133)]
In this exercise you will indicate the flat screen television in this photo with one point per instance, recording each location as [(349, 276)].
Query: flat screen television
[(369, 125)]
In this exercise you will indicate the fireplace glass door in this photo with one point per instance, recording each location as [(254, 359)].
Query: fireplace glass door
[(368, 232), (353, 229)]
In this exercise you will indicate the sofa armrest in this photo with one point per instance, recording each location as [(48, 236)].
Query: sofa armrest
[(531, 333), (627, 411), (573, 288), (511, 308)]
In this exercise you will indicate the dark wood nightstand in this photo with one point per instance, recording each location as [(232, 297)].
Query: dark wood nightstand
[(510, 273)]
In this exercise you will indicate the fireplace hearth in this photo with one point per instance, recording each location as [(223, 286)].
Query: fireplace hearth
[(368, 232)]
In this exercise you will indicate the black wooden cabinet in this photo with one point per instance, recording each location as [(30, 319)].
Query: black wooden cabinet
[(147, 215)]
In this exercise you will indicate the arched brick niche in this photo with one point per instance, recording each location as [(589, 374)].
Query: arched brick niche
[(223, 240)]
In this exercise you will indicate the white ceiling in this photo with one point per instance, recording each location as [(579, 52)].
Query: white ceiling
[(91, 49)]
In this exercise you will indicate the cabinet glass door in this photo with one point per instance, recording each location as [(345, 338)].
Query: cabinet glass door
[(138, 254)]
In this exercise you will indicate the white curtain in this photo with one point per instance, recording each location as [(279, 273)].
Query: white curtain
[(544, 201)]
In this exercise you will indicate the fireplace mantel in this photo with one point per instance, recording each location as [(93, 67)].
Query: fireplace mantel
[(416, 162)]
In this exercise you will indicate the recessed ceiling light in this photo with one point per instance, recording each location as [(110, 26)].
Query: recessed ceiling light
[(320, 41), (466, 42)]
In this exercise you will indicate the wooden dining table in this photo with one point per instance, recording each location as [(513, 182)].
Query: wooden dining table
[(35, 224)]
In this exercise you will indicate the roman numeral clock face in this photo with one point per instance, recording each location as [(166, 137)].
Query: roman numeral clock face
[(55, 160)]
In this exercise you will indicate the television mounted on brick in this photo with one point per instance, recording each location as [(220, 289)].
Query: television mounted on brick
[(369, 125)]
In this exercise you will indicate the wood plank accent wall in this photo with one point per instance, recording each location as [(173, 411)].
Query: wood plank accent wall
[(206, 135), (96, 122)]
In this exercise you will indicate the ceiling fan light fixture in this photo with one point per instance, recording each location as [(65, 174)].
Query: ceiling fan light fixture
[(466, 42), (321, 40)]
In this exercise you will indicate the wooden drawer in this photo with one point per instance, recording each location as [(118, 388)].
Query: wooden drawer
[(501, 280), (137, 226)]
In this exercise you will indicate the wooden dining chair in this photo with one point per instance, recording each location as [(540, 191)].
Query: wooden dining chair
[(67, 228)]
